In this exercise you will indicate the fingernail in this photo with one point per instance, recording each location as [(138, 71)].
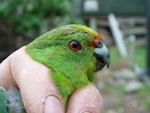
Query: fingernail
[(86, 112), (53, 105)]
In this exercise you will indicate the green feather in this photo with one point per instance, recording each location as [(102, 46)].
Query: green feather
[(3, 100), (69, 69)]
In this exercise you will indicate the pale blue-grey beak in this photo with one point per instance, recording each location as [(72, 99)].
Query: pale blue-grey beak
[(102, 55)]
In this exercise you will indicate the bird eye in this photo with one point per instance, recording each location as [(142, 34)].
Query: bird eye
[(74, 45)]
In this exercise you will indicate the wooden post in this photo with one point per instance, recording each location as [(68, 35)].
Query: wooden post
[(118, 37)]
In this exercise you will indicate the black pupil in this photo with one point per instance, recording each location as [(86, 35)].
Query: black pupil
[(75, 44)]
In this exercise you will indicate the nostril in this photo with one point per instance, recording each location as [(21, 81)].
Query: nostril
[(100, 44), (97, 43)]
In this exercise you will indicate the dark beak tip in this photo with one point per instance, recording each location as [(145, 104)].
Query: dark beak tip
[(108, 65), (102, 61)]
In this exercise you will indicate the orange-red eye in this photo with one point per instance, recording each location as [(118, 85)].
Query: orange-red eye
[(74, 45)]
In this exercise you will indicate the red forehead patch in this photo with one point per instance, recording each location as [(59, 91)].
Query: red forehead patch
[(99, 37)]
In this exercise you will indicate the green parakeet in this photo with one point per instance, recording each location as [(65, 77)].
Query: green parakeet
[(72, 53)]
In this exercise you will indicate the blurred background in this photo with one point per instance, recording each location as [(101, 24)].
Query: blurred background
[(124, 24)]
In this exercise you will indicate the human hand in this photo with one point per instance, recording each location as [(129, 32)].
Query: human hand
[(38, 91)]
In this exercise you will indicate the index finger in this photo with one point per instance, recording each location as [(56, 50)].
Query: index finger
[(85, 100), (36, 87)]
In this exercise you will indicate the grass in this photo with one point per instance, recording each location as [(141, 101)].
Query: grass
[(147, 103), (115, 58), (117, 61), (118, 104), (144, 92), (139, 57), (115, 90)]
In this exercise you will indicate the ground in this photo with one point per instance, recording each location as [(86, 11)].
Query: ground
[(116, 100), (125, 103)]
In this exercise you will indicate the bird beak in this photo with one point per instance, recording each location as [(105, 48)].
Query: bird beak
[(102, 55)]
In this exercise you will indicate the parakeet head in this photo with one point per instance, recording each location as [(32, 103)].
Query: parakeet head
[(71, 50)]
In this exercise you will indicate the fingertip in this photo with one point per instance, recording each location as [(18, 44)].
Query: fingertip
[(87, 99)]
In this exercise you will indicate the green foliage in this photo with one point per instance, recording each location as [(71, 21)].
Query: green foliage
[(22, 15)]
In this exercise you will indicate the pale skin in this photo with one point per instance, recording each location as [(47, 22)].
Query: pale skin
[(38, 91)]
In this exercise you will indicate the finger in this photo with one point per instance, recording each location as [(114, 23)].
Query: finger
[(36, 86), (5, 74), (85, 100)]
